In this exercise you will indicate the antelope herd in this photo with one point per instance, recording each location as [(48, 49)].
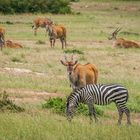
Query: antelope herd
[(79, 75), (59, 32)]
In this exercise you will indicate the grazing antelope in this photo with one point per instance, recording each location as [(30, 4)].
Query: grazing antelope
[(120, 42), (56, 32), (40, 22), (80, 75), (11, 44), (2, 38)]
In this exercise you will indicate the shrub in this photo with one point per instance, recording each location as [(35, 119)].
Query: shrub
[(7, 104), (32, 6), (73, 51), (74, 0), (59, 6), (5, 6), (40, 42), (16, 59), (58, 105)]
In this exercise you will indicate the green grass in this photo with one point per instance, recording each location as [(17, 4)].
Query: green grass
[(87, 33), (40, 126)]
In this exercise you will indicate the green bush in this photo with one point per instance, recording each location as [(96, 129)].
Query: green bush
[(74, 0), (5, 6), (59, 6), (32, 6), (73, 51), (58, 105)]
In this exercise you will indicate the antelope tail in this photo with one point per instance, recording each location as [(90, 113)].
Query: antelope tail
[(96, 73), (64, 31)]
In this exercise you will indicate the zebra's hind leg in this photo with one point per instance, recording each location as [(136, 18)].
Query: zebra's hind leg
[(127, 112), (92, 112), (120, 111)]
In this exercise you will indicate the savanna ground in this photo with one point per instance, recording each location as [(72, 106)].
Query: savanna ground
[(34, 73)]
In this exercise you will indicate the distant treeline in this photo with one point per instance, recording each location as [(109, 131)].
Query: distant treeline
[(33, 6)]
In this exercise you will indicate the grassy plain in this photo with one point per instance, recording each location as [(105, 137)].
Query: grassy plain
[(86, 32)]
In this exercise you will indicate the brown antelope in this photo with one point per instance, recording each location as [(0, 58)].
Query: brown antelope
[(2, 38), (120, 42), (56, 32), (80, 75), (40, 22), (11, 44)]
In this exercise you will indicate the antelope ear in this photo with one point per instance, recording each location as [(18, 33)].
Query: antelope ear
[(75, 62), (63, 63)]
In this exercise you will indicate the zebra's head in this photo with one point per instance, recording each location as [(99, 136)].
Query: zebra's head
[(72, 103), (69, 108)]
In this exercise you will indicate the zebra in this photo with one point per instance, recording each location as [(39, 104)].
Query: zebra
[(100, 94)]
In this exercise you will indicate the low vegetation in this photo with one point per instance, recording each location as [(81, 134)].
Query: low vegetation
[(58, 105), (73, 51), (40, 42), (34, 6), (8, 105)]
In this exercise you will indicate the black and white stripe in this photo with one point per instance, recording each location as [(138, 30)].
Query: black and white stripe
[(101, 95)]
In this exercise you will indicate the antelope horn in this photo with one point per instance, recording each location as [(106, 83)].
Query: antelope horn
[(72, 57), (117, 30)]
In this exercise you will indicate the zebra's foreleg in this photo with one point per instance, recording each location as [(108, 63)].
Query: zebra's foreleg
[(92, 112)]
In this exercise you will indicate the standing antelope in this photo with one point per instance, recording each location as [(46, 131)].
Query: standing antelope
[(56, 32), (2, 38), (80, 75), (120, 42), (40, 22)]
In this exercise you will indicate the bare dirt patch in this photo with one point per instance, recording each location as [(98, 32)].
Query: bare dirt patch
[(94, 6), (21, 71), (29, 96)]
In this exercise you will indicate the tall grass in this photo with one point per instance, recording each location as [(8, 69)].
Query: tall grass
[(41, 126)]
